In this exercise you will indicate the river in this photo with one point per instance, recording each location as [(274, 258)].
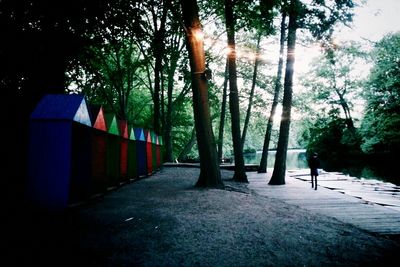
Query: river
[(296, 159)]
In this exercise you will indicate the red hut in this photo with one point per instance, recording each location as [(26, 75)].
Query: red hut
[(99, 150), (149, 152), (123, 130)]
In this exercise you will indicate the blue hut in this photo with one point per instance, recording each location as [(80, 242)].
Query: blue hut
[(124, 140), (141, 152), (59, 152)]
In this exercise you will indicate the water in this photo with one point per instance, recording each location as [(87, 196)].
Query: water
[(297, 159), (376, 171)]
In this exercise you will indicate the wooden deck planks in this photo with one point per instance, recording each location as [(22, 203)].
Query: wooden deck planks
[(370, 205)]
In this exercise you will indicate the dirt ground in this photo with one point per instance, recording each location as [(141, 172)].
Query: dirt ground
[(163, 220)]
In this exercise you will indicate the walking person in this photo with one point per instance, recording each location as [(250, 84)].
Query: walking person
[(314, 165)]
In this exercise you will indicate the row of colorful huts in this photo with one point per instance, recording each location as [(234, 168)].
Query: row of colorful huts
[(77, 152)]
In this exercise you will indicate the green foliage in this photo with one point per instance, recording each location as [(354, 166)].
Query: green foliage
[(333, 84), (380, 133), (320, 16), (248, 14), (333, 77), (330, 137), (249, 150), (381, 124), (111, 75)]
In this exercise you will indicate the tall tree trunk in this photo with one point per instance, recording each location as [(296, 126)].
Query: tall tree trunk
[(253, 86), (158, 52), (223, 113), (168, 115), (210, 174), (240, 172), (278, 84), (278, 175)]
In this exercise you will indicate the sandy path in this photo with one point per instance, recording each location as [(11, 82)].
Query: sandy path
[(163, 221)]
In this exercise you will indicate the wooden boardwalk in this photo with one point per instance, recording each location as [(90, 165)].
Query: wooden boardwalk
[(370, 205)]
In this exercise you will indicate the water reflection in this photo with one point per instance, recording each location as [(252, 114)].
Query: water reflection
[(295, 159), (381, 172)]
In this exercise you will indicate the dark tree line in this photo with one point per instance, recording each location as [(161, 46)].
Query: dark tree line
[(39, 39)]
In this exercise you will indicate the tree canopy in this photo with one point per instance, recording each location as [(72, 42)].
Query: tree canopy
[(382, 117)]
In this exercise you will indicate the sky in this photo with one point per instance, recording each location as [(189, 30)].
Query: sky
[(373, 20)]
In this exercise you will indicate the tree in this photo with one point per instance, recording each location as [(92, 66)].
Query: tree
[(278, 84), (318, 17), (111, 72), (334, 79), (334, 83), (380, 125), (240, 172), (246, 15), (278, 175), (210, 175), (173, 62), (223, 112), (253, 85), (158, 53)]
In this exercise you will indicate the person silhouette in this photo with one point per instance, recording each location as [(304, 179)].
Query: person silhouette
[(314, 165)]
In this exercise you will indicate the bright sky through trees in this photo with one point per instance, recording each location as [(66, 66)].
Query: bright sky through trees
[(373, 20)]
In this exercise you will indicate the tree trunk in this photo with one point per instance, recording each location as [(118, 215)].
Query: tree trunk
[(253, 86), (158, 53), (278, 84), (346, 110), (210, 175), (168, 115), (240, 172), (223, 113), (278, 175)]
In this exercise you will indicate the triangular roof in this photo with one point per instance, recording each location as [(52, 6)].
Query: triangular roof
[(160, 140), (93, 112), (97, 115), (132, 134), (148, 136), (139, 134), (153, 137), (62, 107), (111, 122), (123, 128), (157, 140)]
